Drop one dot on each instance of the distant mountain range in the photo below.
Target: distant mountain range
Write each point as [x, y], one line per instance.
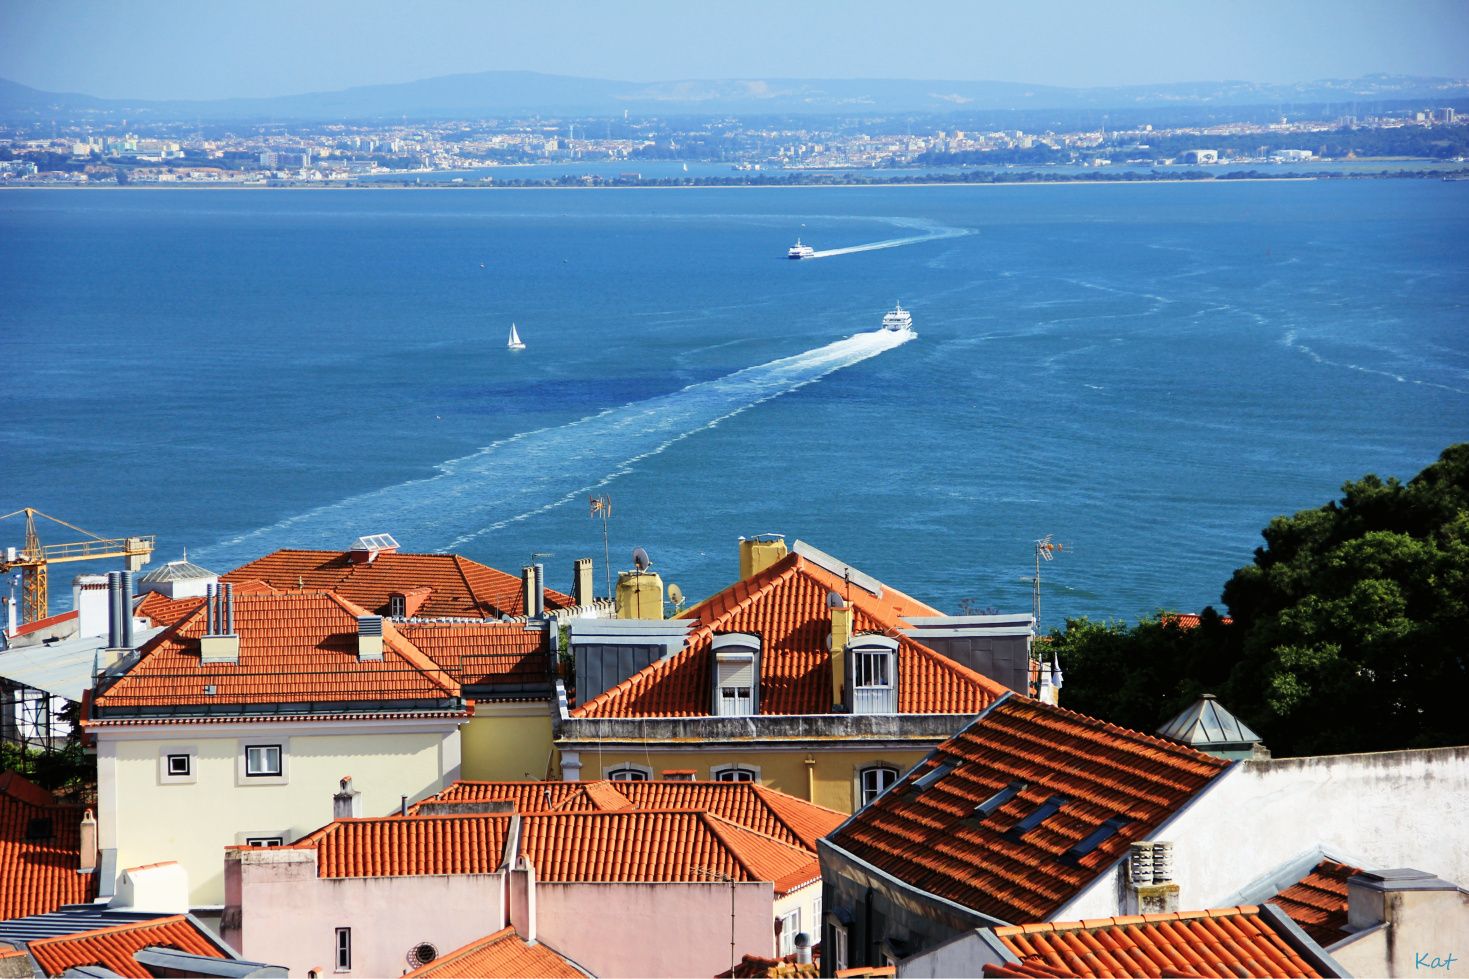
[499, 93]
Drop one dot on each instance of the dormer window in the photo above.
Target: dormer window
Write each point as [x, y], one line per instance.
[873, 674]
[736, 675]
[397, 607]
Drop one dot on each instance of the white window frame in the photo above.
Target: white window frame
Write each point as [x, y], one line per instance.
[262, 754]
[861, 797]
[242, 761]
[265, 841]
[869, 664]
[620, 773]
[839, 951]
[717, 773]
[790, 925]
[342, 951]
[397, 606]
[166, 776]
[735, 700]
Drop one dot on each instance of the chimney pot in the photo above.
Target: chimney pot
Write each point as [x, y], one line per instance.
[88, 858]
[220, 643]
[803, 948]
[347, 803]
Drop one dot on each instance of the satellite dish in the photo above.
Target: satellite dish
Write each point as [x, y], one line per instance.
[675, 594]
[640, 559]
[834, 600]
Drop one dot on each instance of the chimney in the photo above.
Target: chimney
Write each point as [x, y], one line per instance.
[803, 948]
[841, 635]
[760, 552]
[639, 595]
[127, 609]
[220, 643]
[347, 803]
[115, 607]
[523, 899]
[369, 638]
[1150, 887]
[581, 587]
[89, 595]
[540, 589]
[88, 861]
[533, 589]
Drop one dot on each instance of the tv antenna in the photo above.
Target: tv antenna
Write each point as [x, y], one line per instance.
[603, 505]
[1045, 550]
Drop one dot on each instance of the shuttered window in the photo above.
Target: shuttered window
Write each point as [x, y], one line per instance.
[734, 684]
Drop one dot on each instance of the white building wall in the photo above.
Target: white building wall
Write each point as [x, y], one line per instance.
[1386, 809]
[149, 817]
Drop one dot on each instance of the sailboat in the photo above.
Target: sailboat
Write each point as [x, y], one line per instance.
[515, 342]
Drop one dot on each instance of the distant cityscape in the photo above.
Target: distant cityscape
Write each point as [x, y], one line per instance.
[341, 153]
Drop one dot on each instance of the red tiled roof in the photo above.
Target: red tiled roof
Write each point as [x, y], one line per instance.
[295, 647]
[503, 955]
[27, 628]
[38, 876]
[764, 967]
[1189, 620]
[114, 947]
[757, 807]
[1221, 944]
[458, 586]
[924, 836]
[786, 605]
[165, 611]
[1318, 901]
[482, 653]
[578, 846]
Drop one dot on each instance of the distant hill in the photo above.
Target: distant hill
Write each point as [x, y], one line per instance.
[498, 93]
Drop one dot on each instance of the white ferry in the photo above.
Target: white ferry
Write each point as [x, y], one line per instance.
[899, 320]
[799, 250]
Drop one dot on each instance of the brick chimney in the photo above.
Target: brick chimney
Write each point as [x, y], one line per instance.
[581, 583]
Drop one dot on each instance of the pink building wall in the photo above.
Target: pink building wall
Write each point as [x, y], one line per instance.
[656, 930]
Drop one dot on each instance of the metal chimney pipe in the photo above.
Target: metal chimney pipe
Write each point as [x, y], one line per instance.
[229, 609]
[114, 609]
[126, 601]
[210, 592]
[540, 589]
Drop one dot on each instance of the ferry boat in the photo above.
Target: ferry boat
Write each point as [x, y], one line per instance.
[799, 250]
[515, 343]
[898, 320]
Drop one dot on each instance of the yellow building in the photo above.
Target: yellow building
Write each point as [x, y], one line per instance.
[807, 676]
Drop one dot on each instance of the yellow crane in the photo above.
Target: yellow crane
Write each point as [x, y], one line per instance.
[34, 557]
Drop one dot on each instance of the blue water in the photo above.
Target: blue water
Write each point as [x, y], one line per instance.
[1147, 372]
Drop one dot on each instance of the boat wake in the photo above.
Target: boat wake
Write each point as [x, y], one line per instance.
[534, 472]
[931, 233]
[1290, 341]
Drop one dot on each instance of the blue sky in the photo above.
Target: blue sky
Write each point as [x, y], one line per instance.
[206, 49]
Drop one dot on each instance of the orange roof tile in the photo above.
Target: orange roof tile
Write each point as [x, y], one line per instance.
[1188, 620]
[114, 947]
[786, 605]
[165, 611]
[577, 846]
[929, 837]
[40, 850]
[764, 967]
[295, 648]
[1318, 901]
[483, 653]
[503, 955]
[458, 586]
[1220, 944]
[757, 807]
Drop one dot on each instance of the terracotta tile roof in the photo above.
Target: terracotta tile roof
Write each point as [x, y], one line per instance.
[40, 850]
[1025, 970]
[40, 625]
[1318, 901]
[764, 967]
[503, 955]
[295, 647]
[114, 947]
[165, 611]
[930, 838]
[757, 807]
[1226, 943]
[483, 653]
[576, 846]
[1188, 620]
[459, 587]
[786, 605]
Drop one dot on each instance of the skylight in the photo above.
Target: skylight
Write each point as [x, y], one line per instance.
[933, 776]
[374, 542]
[1037, 816]
[998, 799]
[1095, 838]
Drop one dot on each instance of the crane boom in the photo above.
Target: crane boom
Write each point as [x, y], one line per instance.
[34, 558]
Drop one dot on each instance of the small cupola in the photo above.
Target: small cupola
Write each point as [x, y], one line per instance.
[1208, 727]
[178, 579]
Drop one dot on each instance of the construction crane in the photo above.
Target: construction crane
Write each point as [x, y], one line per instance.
[34, 557]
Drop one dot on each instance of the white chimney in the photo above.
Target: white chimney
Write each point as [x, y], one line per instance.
[88, 857]
[347, 803]
[89, 598]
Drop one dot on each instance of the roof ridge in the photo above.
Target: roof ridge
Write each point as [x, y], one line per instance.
[414, 656]
[1096, 723]
[741, 827]
[1123, 921]
[762, 793]
[708, 820]
[121, 926]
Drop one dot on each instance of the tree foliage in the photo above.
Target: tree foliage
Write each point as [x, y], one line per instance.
[1350, 628]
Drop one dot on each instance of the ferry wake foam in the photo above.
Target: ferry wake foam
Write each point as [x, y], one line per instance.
[534, 472]
[931, 233]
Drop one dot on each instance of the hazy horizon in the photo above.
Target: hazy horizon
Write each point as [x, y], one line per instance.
[167, 50]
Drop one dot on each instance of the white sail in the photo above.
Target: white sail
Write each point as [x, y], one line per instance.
[515, 341]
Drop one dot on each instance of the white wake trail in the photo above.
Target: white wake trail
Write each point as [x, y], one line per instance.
[932, 234]
[534, 472]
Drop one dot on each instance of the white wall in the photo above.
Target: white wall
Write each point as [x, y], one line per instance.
[1386, 809]
[149, 818]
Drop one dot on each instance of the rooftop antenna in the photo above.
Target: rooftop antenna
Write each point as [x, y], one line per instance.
[1045, 550]
[603, 505]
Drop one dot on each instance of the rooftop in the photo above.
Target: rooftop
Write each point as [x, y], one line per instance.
[506, 655]
[112, 940]
[1024, 808]
[458, 587]
[297, 651]
[503, 955]
[786, 606]
[749, 804]
[1318, 901]
[177, 571]
[40, 851]
[1206, 722]
[1232, 943]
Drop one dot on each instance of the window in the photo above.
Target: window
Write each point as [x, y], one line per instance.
[790, 923]
[263, 759]
[874, 688]
[628, 773]
[875, 781]
[1037, 816]
[734, 773]
[839, 949]
[735, 702]
[344, 949]
[178, 764]
[397, 606]
[997, 800]
[736, 675]
[264, 841]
